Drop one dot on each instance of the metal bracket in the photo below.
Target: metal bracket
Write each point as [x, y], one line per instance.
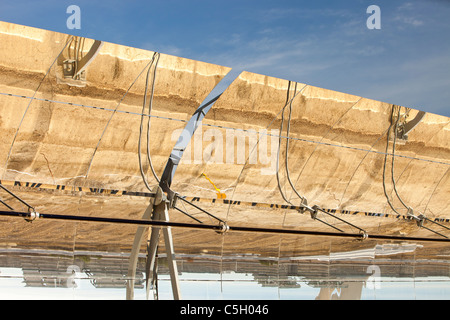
[69, 70]
[76, 70]
[304, 206]
[33, 215]
[406, 127]
[419, 219]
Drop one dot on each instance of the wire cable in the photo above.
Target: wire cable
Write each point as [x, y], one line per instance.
[141, 125]
[385, 162]
[393, 158]
[314, 210]
[150, 107]
[253, 149]
[279, 146]
[287, 149]
[421, 217]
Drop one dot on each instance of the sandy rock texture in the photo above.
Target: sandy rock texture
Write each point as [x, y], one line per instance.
[86, 133]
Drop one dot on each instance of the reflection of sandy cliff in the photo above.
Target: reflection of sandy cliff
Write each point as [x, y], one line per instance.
[70, 136]
[56, 140]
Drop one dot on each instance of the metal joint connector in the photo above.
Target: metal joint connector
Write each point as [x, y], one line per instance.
[364, 235]
[304, 206]
[224, 228]
[314, 210]
[173, 200]
[32, 215]
[419, 219]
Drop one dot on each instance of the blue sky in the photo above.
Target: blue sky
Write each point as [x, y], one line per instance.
[321, 43]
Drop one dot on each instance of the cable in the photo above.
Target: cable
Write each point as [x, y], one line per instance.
[287, 149]
[288, 102]
[251, 151]
[150, 107]
[279, 146]
[314, 210]
[141, 125]
[419, 219]
[393, 158]
[385, 161]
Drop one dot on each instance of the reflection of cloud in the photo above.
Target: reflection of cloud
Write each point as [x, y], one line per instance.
[166, 49]
[378, 250]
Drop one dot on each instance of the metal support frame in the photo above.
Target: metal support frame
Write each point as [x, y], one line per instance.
[421, 218]
[158, 209]
[161, 213]
[314, 210]
[74, 69]
[406, 127]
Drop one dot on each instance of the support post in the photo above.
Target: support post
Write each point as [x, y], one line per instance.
[161, 213]
[158, 210]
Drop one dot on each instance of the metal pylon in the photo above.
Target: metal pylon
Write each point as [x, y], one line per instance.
[157, 210]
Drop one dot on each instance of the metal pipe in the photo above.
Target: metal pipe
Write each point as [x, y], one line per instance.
[217, 228]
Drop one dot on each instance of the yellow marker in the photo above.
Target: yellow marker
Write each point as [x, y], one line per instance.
[220, 195]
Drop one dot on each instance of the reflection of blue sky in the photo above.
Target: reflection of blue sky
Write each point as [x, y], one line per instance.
[322, 43]
[228, 286]
[389, 271]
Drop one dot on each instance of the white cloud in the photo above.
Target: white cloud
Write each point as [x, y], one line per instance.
[166, 49]
[409, 20]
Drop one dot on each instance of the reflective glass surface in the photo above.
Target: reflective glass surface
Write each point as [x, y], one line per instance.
[212, 266]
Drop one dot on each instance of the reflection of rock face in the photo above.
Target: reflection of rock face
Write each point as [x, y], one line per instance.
[56, 141]
[335, 156]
